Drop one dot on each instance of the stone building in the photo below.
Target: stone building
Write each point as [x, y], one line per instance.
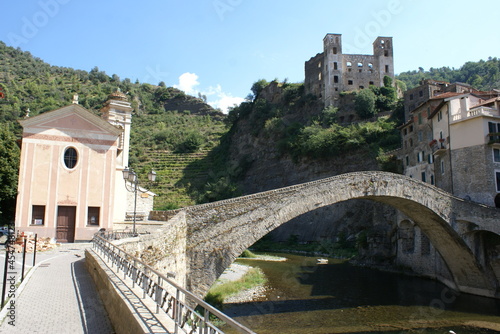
[331, 72]
[429, 88]
[467, 147]
[450, 140]
[70, 175]
[447, 131]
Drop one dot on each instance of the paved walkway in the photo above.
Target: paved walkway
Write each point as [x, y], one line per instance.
[57, 295]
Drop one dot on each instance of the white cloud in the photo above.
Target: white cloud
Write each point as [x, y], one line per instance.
[187, 82]
[225, 102]
[216, 97]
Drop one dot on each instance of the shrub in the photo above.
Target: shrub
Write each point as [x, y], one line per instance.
[248, 254]
[191, 142]
[364, 103]
[258, 86]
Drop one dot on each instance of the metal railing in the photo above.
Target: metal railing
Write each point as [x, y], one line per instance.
[190, 313]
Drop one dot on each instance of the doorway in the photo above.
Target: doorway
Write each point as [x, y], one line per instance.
[66, 219]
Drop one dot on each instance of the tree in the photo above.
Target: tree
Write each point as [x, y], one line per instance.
[258, 86]
[9, 167]
[364, 103]
[388, 95]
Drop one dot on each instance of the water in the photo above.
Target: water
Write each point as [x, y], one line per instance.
[304, 297]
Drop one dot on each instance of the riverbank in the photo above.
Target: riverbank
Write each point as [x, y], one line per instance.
[241, 283]
[305, 297]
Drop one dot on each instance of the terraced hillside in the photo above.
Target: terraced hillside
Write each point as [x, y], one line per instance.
[171, 168]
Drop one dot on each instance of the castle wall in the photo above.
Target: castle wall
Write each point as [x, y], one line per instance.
[332, 72]
[314, 75]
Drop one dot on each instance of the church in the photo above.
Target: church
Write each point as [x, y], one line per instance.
[71, 182]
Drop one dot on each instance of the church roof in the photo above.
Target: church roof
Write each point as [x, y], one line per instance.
[118, 95]
[72, 109]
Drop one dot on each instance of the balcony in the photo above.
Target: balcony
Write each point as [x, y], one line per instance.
[493, 137]
[474, 112]
[438, 146]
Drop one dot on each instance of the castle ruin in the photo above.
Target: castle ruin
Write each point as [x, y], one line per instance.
[331, 72]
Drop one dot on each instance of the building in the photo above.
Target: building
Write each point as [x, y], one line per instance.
[429, 88]
[331, 72]
[451, 139]
[448, 140]
[467, 147]
[70, 176]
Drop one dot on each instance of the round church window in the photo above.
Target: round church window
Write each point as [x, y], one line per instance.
[70, 157]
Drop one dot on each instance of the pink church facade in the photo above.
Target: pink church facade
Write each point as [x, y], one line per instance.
[70, 183]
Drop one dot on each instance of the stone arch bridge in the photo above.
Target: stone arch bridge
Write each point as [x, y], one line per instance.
[211, 236]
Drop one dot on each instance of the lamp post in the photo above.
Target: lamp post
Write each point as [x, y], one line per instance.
[130, 176]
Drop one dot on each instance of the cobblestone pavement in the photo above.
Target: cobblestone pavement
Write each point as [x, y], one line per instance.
[57, 296]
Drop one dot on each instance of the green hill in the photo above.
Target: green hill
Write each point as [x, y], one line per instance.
[184, 139]
[165, 119]
[482, 75]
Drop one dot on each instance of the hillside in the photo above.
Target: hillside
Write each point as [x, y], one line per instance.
[164, 119]
[482, 75]
[281, 137]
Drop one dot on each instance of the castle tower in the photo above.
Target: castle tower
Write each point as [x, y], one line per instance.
[118, 111]
[332, 67]
[331, 72]
[382, 50]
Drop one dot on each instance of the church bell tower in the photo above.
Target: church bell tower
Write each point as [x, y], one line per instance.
[118, 111]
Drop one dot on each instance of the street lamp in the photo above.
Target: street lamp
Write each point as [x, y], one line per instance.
[130, 176]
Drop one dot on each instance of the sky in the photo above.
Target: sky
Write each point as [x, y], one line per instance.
[219, 48]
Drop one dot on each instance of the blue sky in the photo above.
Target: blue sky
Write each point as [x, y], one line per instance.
[221, 47]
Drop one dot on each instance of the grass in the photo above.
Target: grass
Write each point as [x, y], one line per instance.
[248, 254]
[218, 293]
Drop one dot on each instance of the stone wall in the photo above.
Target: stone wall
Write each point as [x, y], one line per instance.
[218, 232]
[164, 249]
[473, 172]
[331, 72]
[416, 253]
[442, 168]
[144, 202]
[314, 78]
[122, 314]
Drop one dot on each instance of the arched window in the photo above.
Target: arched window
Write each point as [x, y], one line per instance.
[70, 157]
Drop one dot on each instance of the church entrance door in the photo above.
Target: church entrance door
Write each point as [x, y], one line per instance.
[66, 219]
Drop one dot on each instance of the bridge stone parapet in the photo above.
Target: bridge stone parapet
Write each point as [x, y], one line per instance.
[217, 233]
[163, 215]
[163, 249]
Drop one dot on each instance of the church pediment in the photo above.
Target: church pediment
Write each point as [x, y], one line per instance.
[71, 118]
[70, 122]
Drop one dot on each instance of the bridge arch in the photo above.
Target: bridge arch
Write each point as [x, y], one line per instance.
[219, 232]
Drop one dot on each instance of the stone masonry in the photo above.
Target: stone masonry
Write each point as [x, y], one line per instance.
[217, 233]
[331, 72]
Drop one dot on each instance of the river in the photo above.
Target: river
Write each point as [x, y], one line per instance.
[304, 297]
